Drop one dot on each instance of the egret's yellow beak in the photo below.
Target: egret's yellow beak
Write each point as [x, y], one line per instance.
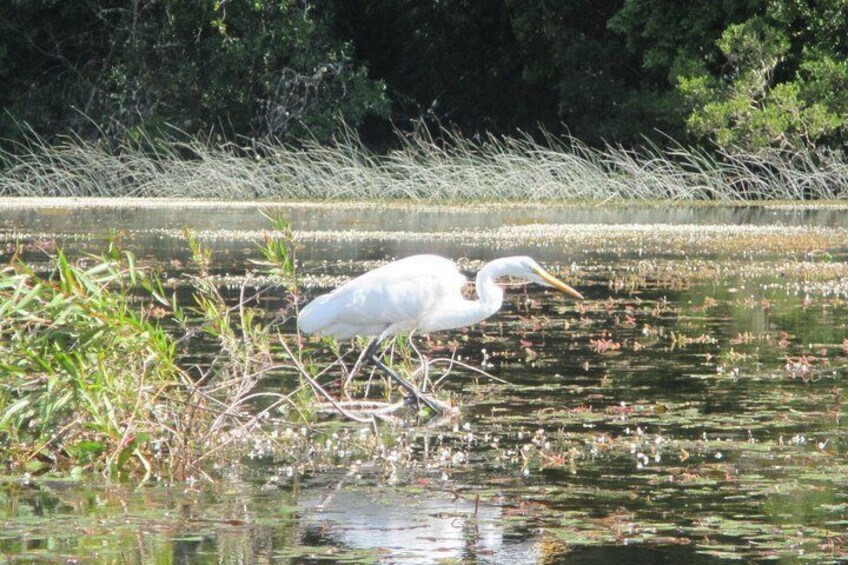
[556, 283]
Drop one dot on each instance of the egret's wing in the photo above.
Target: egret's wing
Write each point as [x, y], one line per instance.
[380, 300]
[398, 293]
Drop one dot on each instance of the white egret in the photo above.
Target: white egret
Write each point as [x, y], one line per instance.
[422, 292]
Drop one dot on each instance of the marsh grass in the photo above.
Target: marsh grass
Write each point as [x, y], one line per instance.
[95, 377]
[424, 167]
[85, 370]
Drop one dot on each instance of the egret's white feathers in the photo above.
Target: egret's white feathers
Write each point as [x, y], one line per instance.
[421, 292]
[405, 290]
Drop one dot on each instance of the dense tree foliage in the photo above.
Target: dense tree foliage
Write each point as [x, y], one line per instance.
[260, 68]
[749, 73]
[785, 80]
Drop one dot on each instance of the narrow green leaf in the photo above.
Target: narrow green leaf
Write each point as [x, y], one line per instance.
[14, 409]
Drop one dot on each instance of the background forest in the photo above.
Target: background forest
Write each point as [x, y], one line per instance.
[735, 73]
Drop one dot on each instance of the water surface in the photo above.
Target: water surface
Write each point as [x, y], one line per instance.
[689, 410]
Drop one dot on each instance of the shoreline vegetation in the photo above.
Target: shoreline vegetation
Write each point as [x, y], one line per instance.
[110, 369]
[451, 168]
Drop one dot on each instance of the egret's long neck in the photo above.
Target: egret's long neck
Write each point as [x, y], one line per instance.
[467, 312]
[490, 296]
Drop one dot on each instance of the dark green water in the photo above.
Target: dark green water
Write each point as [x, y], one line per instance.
[689, 410]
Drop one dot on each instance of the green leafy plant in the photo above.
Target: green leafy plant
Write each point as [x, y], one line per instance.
[771, 93]
[94, 376]
[86, 366]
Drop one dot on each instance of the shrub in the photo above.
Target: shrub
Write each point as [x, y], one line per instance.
[92, 376]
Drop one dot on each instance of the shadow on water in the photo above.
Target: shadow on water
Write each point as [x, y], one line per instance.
[690, 410]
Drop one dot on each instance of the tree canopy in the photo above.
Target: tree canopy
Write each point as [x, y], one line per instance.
[747, 73]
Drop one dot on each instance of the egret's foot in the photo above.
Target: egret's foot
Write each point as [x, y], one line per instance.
[422, 400]
[434, 404]
[412, 400]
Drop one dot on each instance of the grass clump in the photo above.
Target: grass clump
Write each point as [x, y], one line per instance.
[86, 369]
[93, 377]
[448, 168]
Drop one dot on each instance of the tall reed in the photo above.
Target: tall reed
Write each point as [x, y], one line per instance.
[94, 376]
[423, 167]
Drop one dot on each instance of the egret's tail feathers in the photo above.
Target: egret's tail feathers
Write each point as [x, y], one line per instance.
[313, 318]
[321, 317]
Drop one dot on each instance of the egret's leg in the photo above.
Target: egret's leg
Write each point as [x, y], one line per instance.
[371, 353]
